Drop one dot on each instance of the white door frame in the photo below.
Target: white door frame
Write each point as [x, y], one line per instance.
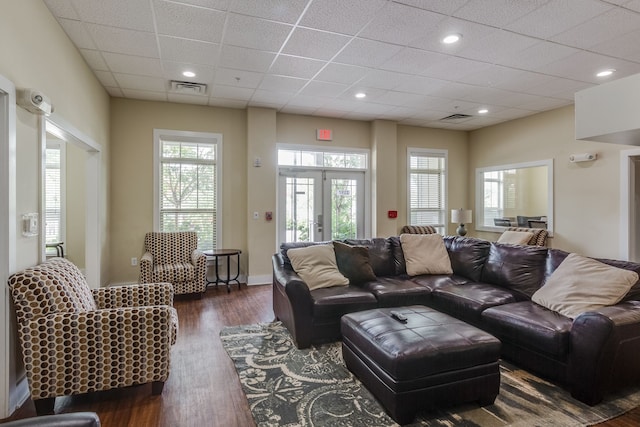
[326, 203]
[8, 227]
[627, 206]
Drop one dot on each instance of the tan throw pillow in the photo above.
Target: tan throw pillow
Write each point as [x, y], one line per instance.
[317, 266]
[515, 237]
[581, 284]
[425, 254]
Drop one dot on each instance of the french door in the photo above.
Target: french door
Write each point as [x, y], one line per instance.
[320, 205]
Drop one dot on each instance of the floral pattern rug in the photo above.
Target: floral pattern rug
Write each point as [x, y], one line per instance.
[289, 387]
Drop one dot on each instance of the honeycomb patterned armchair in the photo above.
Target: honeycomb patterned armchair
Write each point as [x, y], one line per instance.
[173, 257]
[418, 229]
[77, 340]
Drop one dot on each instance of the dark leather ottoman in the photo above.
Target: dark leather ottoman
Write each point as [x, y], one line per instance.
[432, 360]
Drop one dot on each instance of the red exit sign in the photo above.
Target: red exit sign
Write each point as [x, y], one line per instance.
[324, 134]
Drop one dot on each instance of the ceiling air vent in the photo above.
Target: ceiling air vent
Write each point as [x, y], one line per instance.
[188, 88]
[456, 117]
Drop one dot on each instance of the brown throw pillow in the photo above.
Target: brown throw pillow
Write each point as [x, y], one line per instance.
[353, 263]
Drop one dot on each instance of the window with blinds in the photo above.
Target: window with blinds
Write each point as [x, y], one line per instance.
[427, 188]
[54, 193]
[188, 187]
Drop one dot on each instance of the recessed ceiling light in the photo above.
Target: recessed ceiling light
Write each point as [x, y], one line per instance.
[189, 74]
[606, 73]
[361, 95]
[483, 111]
[451, 38]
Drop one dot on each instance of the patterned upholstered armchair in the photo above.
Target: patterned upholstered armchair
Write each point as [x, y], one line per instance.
[77, 340]
[539, 237]
[173, 257]
[418, 229]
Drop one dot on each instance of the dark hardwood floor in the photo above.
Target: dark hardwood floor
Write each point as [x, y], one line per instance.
[203, 389]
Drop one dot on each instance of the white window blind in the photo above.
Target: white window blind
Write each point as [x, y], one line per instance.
[188, 188]
[54, 207]
[427, 188]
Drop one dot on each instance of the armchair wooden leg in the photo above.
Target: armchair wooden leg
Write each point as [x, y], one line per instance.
[45, 406]
[156, 387]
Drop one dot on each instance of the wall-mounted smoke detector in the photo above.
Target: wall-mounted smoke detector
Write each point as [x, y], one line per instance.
[188, 88]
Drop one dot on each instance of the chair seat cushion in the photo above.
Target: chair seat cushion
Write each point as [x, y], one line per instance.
[179, 272]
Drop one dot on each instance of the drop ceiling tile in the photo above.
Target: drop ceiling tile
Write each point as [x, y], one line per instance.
[420, 85]
[496, 46]
[384, 27]
[536, 57]
[523, 82]
[114, 91]
[341, 73]
[271, 97]
[131, 14]
[633, 5]
[366, 53]
[556, 17]
[445, 7]
[400, 99]
[453, 91]
[281, 84]
[583, 66]
[130, 81]
[310, 102]
[196, 23]
[321, 89]
[399, 113]
[189, 51]
[62, 9]
[209, 4]
[372, 94]
[144, 95]
[128, 64]
[227, 103]
[120, 40]
[314, 44]
[490, 75]
[246, 59]
[544, 103]
[412, 61]
[431, 40]
[339, 16]
[173, 71]
[255, 33]
[276, 10]
[382, 79]
[238, 78]
[607, 26]
[106, 78]
[294, 66]
[454, 69]
[78, 33]
[372, 108]
[559, 88]
[187, 99]
[497, 13]
[94, 59]
[230, 92]
[626, 46]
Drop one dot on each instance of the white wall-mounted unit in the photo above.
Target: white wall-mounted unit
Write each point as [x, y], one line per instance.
[610, 112]
[34, 101]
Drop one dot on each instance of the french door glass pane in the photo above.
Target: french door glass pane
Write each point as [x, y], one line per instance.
[344, 212]
[299, 209]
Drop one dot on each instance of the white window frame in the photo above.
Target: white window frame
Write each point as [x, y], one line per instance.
[187, 136]
[414, 151]
[62, 146]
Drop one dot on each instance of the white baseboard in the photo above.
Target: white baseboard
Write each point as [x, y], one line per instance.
[19, 396]
[263, 279]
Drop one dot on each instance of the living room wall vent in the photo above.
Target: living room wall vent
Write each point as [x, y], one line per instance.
[456, 117]
[188, 88]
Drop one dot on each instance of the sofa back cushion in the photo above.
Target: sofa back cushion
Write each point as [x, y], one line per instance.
[521, 268]
[55, 286]
[171, 247]
[380, 254]
[468, 256]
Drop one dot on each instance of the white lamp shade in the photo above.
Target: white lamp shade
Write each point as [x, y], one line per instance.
[461, 216]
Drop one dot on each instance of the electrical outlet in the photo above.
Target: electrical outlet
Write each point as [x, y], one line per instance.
[134, 261]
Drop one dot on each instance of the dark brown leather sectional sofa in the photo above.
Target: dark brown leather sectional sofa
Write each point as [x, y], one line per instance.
[491, 288]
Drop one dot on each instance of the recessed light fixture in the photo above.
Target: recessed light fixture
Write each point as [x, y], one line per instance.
[483, 111]
[361, 95]
[606, 73]
[451, 38]
[189, 74]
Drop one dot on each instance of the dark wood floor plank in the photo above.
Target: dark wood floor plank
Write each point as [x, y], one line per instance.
[203, 387]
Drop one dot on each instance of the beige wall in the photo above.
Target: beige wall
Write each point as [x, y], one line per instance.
[132, 125]
[36, 53]
[586, 195]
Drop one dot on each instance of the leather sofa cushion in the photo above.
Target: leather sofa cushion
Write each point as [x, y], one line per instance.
[467, 255]
[521, 268]
[429, 342]
[399, 264]
[336, 301]
[468, 301]
[380, 254]
[434, 281]
[531, 326]
[398, 291]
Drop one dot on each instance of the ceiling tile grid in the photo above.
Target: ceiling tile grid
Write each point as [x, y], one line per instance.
[515, 58]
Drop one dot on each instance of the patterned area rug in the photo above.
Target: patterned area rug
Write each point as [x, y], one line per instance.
[312, 387]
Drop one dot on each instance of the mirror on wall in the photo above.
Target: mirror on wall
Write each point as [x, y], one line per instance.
[515, 195]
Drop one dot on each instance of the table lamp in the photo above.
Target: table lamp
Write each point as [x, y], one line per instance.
[461, 217]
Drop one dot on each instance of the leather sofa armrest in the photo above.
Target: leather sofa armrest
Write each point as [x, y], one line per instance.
[604, 347]
[77, 419]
